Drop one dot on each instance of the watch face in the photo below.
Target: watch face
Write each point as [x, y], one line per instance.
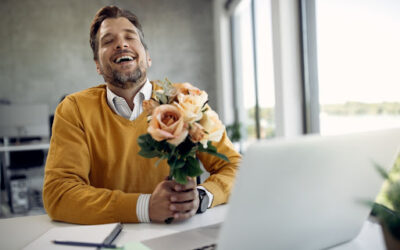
[204, 204]
[204, 200]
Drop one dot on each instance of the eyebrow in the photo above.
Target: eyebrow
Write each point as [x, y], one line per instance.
[131, 31]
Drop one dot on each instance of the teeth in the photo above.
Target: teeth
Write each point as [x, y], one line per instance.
[119, 59]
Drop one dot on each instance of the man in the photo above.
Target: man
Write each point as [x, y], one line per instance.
[93, 171]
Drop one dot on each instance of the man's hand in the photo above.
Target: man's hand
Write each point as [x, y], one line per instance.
[171, 199]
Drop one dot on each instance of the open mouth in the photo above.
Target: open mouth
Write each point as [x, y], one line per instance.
[123, 59]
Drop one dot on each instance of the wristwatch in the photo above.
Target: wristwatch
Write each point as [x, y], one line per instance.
[203, 201]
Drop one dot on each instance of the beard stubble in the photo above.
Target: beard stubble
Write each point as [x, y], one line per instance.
[125, 80]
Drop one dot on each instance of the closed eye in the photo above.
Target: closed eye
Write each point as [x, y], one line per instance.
[105, 42]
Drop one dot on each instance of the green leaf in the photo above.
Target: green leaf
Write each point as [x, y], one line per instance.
[168, 91]
[193, 167]
[222, 156]
[149, 154]
[151, 148]
[169, 88]
[162, 146]
[160, 159]
[162, 97]
[180, 175]
[180, 163]
[388, 217]
[144, 140]
[381, 171]
[174, 162]
[213, 151]
[147, 143]
[393, 195]
[211, 147]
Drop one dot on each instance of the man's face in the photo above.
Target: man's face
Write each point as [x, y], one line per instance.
[122, 58]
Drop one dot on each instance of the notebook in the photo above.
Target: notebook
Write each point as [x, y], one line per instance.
[92, 233]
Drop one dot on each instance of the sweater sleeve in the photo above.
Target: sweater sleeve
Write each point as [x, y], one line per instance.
[222, 173]
[67, 193]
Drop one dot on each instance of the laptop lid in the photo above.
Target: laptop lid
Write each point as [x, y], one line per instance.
[305, 193]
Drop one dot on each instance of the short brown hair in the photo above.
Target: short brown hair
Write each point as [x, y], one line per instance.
[111, 12]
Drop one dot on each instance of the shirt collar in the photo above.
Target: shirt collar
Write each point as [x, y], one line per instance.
[146, 91]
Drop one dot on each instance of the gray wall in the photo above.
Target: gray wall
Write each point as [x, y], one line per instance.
[45, 50]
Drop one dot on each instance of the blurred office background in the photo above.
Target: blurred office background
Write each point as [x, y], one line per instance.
[272, 68]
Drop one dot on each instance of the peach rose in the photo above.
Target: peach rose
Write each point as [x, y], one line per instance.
[186, 89]
[149, 106]
[167, 123]
[196, 132]
[212, 125]
[191, 106]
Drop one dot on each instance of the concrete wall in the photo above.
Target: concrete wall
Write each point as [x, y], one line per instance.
[45, 52]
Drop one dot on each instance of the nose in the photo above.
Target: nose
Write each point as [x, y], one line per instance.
[121, 43]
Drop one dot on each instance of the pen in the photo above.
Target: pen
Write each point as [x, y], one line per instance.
[84, 244]
[110, 238]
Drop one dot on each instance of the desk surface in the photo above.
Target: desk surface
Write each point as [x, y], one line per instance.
[16, 233]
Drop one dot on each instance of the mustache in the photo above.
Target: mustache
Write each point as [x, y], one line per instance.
[124, 51]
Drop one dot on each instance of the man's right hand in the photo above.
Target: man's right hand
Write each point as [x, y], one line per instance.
[170, 199]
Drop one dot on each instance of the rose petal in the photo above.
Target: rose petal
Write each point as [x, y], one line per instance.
[178, 139]
[168, 124]
[159, 134]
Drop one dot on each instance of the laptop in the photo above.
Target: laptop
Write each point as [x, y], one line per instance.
[306, 192]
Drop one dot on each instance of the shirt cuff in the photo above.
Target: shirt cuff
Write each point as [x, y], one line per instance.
[142, 208]
[210, 195]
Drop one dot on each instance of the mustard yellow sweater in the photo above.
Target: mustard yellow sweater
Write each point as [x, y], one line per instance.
[93, 171]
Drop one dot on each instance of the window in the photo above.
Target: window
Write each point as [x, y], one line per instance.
[265, 69]
[253, 69]
[358, 57]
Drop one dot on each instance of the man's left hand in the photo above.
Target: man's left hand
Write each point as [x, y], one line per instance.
[184, 200]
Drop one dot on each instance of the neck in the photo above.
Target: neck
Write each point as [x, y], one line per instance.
[129, 93]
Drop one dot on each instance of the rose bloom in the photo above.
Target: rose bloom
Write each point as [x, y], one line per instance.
[213, 127]
[167, 123]
[149, 106]
[196, 132]
[186, 89]
[191, 106]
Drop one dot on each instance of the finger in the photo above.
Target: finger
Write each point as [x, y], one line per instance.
[169, 185]
[163, 216]
[182, 207]
[190, 185]
[183, 196]
[184, 215]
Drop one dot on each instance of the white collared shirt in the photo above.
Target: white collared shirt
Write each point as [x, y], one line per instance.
[121, 108]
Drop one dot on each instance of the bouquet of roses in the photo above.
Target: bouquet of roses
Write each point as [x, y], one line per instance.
[181, 123]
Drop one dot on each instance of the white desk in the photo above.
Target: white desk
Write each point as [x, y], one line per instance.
[16, 233]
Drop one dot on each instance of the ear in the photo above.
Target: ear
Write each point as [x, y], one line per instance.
[148, 59]
[97, 66]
